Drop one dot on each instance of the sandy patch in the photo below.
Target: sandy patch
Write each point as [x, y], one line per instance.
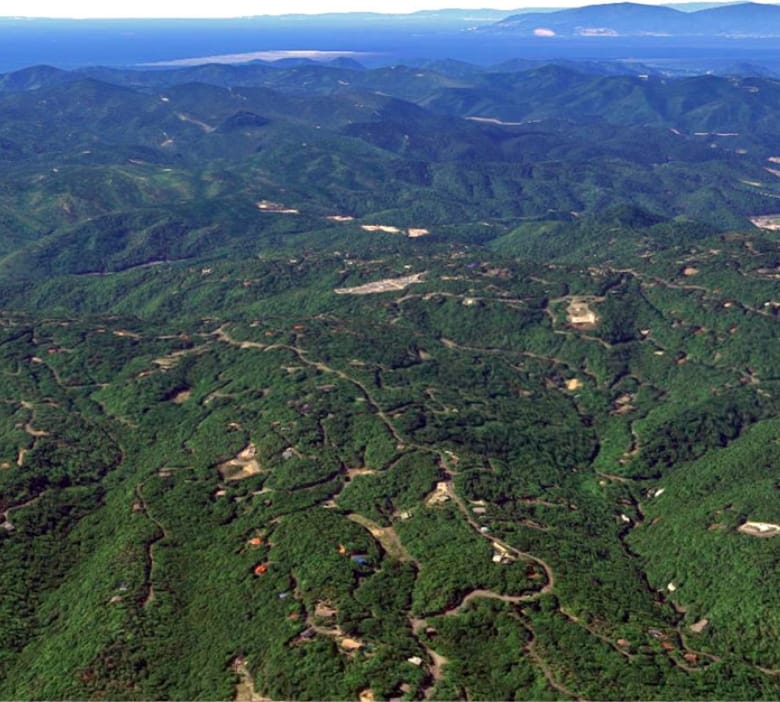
[349, 644]
[439, 494]
[275, 207]
[245, 687]
[385, 285]
[690, 271]
[181, 397]
[244, 465]
[770, 222]
[380, 228]
[324, 610]
[411, 232]
[123, 333]
[699, 626]
[579, 315]
[573, 384]
[763, 529]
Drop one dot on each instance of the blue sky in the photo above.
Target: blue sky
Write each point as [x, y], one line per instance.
[239, 8]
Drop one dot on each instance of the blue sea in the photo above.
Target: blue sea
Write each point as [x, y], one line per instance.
[383, 40]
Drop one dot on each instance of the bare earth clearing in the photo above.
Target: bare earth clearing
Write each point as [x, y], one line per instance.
[245, 687]
[579, 315]
[762, 529]
[769, 222]
[385, 285]
[244, 465]
[412, 232]
[275, 207]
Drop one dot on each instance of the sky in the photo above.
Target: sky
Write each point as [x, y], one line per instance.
[243, 8]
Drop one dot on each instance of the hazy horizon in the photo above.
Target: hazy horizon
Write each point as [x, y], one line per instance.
[183, 9]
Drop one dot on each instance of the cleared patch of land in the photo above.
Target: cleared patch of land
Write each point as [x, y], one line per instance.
[762, 529]
[192, 120]
[411, 232]
[770, 222]
[244, 465]
[386, 536]
[245, 687]
[181, 397]
[580, 315]
[384, 285]
[275, 207]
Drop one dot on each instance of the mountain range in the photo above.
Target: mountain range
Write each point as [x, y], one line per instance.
[627, 19]
[424, 380]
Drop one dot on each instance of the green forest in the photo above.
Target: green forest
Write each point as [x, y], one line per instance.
[328, 394]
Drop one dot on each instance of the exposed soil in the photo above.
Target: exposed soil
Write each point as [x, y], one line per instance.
[380, 286]
[580, 316]
[181, 397]
[244, 465]
[275, 207]
[245, 687]
[386, 536]
[760, 529]
[771, 222]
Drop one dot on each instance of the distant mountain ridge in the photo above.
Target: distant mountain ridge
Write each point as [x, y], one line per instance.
[634, 19]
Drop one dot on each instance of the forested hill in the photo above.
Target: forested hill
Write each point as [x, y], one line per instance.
[422, 382]
[130, 165]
